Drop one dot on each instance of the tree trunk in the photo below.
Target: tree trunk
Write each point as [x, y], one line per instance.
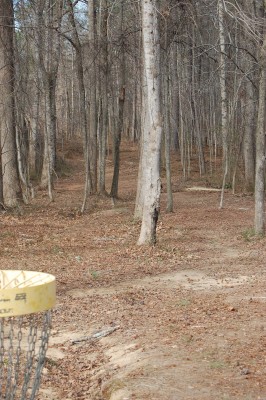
[1, 184]
[34, 134]
[152, 131]
[84, 123]
[49, 48]
[260, 148]
[121, 110]
[167, 144]
[49, 161]
[249, 140]
[195, 110]
[92, 96]
[144, 125]
[224, 114]
[166, 90]
[103, 90]
[175, 101]
[10, 177]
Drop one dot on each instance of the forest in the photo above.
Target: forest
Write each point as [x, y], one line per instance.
[133, 171]
[95, 71]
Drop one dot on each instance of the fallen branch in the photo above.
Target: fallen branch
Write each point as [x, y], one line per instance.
[96, 335]
[203, 189]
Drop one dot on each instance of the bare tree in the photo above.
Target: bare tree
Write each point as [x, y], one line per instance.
[92, 93]
[49, 45]
[260, 146]
[103, 81]
[252, 20]
[75, 41]
[152, 129]
[224, 113]
[12, 194]
[121, 109]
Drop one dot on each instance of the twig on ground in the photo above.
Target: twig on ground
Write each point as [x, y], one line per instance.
[96, 335]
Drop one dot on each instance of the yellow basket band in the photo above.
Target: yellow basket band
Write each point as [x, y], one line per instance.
[26, 292]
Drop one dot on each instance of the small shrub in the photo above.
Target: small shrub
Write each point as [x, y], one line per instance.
[95, 274]
[216, 364]
[183, 303]
[248, 234]
[63, 169]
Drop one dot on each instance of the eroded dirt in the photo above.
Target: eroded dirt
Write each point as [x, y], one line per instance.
[188, 315]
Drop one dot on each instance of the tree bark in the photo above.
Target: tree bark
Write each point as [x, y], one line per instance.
[92, 96]
[75, 41]
[167, 144]
[103, 90]
[12, 193]
[152, 132]
[121, 111]
[260, 148]
[34, 134]
[165, 66]
[224, 114]
[49, 15]
[249, 139]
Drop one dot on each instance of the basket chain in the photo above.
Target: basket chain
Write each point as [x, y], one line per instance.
[10, 360]
[42, 352]
[20, 375]
[18, 354]
[2, 353]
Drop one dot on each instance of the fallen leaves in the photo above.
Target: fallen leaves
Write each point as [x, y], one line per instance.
[212, 340]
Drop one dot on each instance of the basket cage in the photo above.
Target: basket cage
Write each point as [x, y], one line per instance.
[26, 300]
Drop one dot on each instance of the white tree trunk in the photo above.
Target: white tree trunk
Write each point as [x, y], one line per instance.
[222, 75]
[152, 129]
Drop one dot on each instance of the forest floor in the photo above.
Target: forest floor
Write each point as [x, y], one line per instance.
[182, 320]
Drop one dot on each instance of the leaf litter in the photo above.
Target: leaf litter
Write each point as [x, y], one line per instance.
[190, 311]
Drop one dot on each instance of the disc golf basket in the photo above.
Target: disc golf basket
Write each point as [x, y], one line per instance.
[26, 300]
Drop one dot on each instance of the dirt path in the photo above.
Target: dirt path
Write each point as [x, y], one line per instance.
[184, 320]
